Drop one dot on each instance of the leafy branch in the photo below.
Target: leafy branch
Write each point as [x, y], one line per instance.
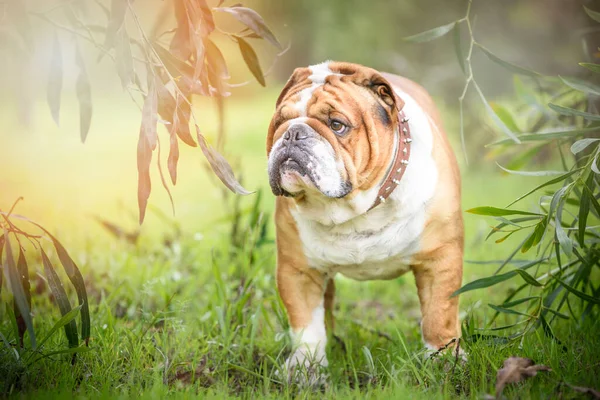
[564, 228]
[166, 73]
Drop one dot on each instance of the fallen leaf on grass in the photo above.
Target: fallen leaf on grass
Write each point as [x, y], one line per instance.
[516, 369]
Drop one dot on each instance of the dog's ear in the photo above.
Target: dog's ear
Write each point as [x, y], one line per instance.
[384, 90]
[298, 75]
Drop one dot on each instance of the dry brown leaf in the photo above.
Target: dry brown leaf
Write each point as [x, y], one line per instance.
[516, 369]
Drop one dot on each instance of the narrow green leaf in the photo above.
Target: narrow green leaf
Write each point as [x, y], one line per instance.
[531, 173]
[535, 237]
[514, 222]
[505, 116]
[581, 145]
[519, 301]
[509, 66]
[558, 314]
[64, 320]
[528, 278]
[77, 280]
[592, 14]
[563, 239]
[497, 212]
[494, 279]
[578, 293]
[23, 271]
[71, 350]
[251, 60]
[584, 210]
[571, 112]
[507, 310]
[431, 34]
[535, 137]
[591, 66]
[9, 348]
[595, 165]
[61, 298]
[15, 283]
[581, 85]
[550, 182]
[495, 117]
[458, 48]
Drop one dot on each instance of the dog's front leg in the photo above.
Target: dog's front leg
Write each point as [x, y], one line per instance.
[303, 292]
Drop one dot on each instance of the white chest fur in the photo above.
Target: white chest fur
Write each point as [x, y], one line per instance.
[339, 237]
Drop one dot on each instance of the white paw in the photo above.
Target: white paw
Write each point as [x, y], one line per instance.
[307, 367]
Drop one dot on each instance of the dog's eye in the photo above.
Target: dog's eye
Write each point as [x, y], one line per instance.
[337, 127]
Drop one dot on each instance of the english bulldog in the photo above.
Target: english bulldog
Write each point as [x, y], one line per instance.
[368, 187]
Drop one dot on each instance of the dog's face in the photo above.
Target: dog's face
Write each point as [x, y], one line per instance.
[332, 134]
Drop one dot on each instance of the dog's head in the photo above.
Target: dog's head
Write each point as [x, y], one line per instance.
[332, 134]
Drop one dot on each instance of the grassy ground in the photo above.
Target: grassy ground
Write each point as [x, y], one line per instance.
[192, 308]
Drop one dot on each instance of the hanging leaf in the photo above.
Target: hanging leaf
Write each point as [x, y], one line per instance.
[177, 113]
[150, 114]
[61, 298]
[254, 21]
[458, 48]
[595, 165]
[592, 14]
[173, 156]
[571, 112]
[495, 279]
[509, 66]
[581, 85]
[20, 297]
[84, 96]
[181, 44]
[23, 271]
[144, 158]
[531, 173]
[431, 34]
[118, 10]
[162, 178]
[217, 68]
[550, 182]
[496, 212]
[220, 166]
[581, 145]
[591, 67]
[535, 237]
[536, 137]
[124, 58]
[251, 60]
[181, 71]
[55, 80]
[578, 293]
[495, 117]
[584, 210]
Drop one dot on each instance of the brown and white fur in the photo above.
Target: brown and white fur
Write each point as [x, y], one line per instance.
[327, 182]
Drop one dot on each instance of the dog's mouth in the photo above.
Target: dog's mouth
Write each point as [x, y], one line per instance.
[289, 175]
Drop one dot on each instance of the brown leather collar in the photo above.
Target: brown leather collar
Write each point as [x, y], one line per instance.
[400, 161]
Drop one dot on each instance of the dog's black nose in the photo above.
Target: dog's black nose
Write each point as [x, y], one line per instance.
[296, 132]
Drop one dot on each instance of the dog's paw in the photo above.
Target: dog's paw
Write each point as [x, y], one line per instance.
[306, 368]
[452, 348]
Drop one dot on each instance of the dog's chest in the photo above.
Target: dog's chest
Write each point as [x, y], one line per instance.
[367, 249]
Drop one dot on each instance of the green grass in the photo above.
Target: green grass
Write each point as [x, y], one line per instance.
[197, 314]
